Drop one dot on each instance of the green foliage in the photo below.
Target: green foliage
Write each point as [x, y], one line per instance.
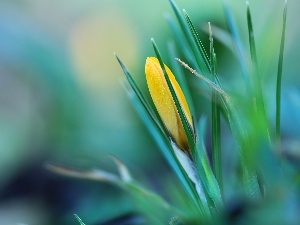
[202, 173]
[247, 120]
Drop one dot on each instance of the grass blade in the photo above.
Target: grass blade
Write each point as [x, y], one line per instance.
[215, 119]
[237, 43]
[259, 105]
[239, 132]
[242, 137]
[200, 58]
[79, 220]
[129, 185]
[209, 180]
[180, 39]
[279, 78]
[251, 38]
[181, 76]
[140, 95]
[216, 87]
[198, 42]
[222, 36]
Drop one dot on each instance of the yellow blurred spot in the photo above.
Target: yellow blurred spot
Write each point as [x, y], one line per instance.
[93, 41]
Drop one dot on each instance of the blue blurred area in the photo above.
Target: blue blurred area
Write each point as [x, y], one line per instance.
[62, 100]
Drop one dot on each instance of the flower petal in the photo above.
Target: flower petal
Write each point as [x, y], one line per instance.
[164, 102]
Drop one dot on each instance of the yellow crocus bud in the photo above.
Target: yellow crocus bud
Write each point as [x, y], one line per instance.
[164, 103]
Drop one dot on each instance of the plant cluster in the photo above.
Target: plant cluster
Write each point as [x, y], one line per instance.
[267, 191]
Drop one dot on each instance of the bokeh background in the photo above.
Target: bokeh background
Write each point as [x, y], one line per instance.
[62, 99]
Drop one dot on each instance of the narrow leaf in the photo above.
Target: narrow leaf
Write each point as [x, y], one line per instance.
[237, 43]
[104, 176]
[279, 78]
[207, 176]
[222, 36]
[215, 119]
[79, 220]
[216, 87]
[141, 98]
[198, 42]
[190, 38]
[123, 170]
[177, 69]
[251, 37]
[238, 129]
[259, 105]
[97, 175]
[180, 39]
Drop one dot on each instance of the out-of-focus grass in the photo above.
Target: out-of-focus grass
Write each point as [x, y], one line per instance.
[61, 99]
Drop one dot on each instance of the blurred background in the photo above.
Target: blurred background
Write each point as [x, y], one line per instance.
[62, 99]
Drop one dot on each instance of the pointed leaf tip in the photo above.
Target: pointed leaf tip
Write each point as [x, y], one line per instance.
[79, 220]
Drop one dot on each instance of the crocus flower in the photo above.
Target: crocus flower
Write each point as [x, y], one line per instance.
[164, 103]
